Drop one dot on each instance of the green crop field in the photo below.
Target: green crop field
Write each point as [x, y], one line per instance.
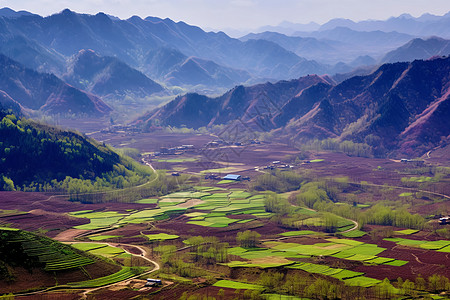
[353, 234]
[433, 245]
[88, 246]
[298, 233]
[123, 274]
[99, 223]
[316, 160]
[54, 255]
[103, 237]
[237, 285]
[406, 231]
[108, 251]
[147, 201]
[161, 236]
[362, 281]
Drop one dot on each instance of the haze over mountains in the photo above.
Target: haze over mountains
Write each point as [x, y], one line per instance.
[79, 64]
[166, 51]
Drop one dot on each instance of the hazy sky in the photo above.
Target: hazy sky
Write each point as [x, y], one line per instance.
[239, 14]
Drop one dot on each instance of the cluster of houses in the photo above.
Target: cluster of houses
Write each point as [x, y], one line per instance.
[126, 129]
[179, 150]
[218, 143]
[276, 165]
[412, 161]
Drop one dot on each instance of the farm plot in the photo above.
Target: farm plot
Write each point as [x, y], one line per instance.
[103, 237]
[53, 255]
[124, 273]
[267, 258]
[349, 277]
[298, 233]
[99, 249]
[161, 237]
[220, 205]
[433, 245]
[98, 220]
[339, 248]
[237, 285]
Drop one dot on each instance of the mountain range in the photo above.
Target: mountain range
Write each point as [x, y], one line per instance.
[26, 88]
[399, 108]
[105, 75]
[165, 51]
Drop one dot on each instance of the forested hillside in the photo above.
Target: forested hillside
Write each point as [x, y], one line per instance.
[40, 157]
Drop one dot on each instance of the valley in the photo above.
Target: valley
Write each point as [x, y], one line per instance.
[148, 158]
[213, 212]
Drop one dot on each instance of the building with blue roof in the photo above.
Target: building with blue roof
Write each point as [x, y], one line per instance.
[232, 177]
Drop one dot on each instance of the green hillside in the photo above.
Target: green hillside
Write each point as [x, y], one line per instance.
[37, 157]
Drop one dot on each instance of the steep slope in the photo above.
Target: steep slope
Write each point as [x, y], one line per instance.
[9, 104]
[108, 76]
[256, 104]
[34, 154]
[399, 108]
[419, 49]
[45, 92]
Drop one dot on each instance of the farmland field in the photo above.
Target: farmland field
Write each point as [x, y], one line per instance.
[191, 231]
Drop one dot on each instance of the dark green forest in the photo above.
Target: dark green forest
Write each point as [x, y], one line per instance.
[37, 157]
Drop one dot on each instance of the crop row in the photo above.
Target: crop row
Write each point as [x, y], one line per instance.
[124, 273]
[68, 264]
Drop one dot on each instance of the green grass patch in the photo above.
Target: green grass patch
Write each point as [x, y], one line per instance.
[353, 234]
[161, 236]
[226, 181]
[88, 246]
[347, 274]
[103, 237]
[445, 249]
[406, 194]
[249, 264]
[237, 285]
[316, 160]
[99, 223]
[298, 233]
[147, 201]
[379, 260]
[8, 229]
[396, 263]
[107, 251]
[406, 231]
[362, 281]
[124, 273]
[345, 241]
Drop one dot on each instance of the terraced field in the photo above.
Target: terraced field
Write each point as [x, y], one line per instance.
[124, 273]
[441, 246]
[54, 256]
